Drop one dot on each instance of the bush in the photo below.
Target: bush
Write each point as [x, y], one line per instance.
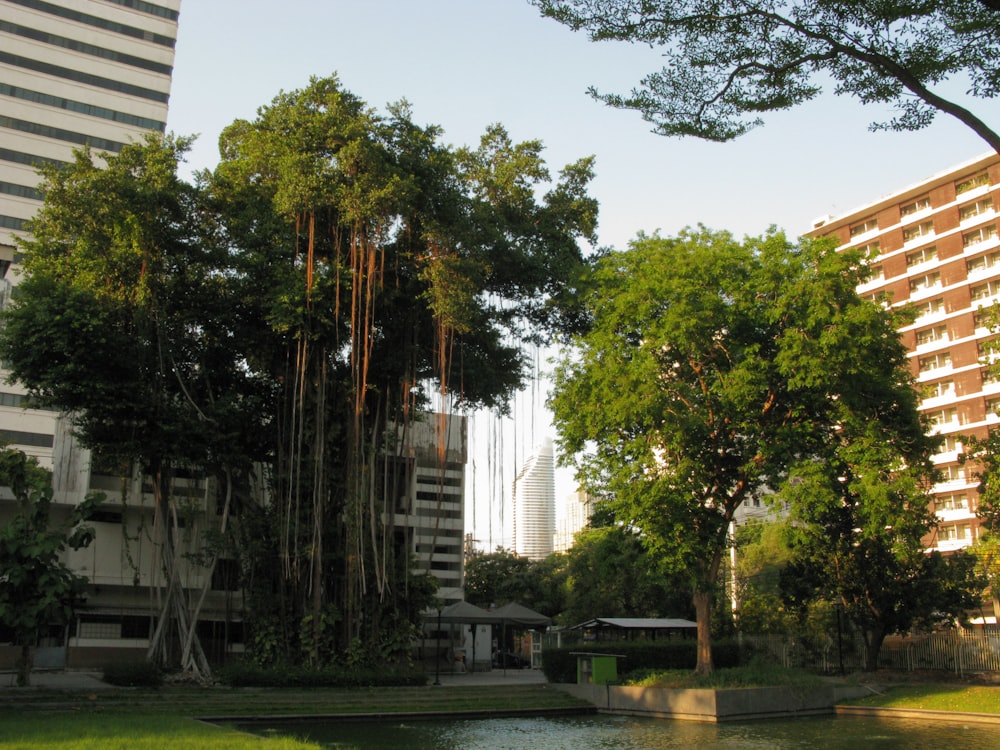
[132, 674]
[559, 664]
[246, 674]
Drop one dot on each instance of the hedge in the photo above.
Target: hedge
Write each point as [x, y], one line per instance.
[246, 674]
[559, 664]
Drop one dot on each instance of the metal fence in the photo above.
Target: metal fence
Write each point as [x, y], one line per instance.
[958, 651]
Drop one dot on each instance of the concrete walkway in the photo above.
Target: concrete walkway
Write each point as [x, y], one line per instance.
[68, 680]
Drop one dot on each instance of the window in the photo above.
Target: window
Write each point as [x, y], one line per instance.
[941, 388]
[930, 335]
[950, 444]
[925, 282]
[984, 291]
[864, 227]
[983, 318]
[875, 273]
[983, 262]
[954, 501]
[923, 255]
[953, 473]
[930, 307]
[982, 234]
[871, 250]
[971, 183]
[992, 405]
[934, 361]
[977, 208]
[923, 229]
[920, 204]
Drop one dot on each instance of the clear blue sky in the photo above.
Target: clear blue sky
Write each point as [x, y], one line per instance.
[464, 64]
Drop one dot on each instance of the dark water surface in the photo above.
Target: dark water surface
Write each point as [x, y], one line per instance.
[602, 732]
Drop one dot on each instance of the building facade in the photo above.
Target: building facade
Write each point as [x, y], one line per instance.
[73, 73]
[535, 504]
[934, 246]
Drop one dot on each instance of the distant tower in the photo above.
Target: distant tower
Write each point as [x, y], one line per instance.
[535, 504]
[576, 511]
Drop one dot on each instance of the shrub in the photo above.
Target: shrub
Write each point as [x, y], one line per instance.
[246, 674]
[132, 674]
[559, 664]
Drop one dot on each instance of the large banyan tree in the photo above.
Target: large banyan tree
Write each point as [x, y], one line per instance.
[386, 265]
[300, 307]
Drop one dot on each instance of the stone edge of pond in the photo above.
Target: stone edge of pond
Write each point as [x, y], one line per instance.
[920, 714]
[714, 705]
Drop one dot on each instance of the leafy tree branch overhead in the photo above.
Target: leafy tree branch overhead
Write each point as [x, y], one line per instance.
[728, 61]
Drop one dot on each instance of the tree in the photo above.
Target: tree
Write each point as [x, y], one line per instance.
[762, 554]
[389, 269]
[495, 578]
[126, 319]
[611, 574]
[38, 589]
[859, 513]
[727, 61]
[709, 366]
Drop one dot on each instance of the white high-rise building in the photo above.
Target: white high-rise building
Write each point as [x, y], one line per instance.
[535, 504]
[73, 73]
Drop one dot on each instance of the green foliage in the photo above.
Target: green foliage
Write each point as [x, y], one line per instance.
[728, 61]
[294, 308]
[860, 513]
[711, 366]
[246, 674]
[612, 574]
[132, 674]
[38, 588]
[757, 673]
[560, 664]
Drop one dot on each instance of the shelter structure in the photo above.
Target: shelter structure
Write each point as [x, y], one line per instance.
[633, 628]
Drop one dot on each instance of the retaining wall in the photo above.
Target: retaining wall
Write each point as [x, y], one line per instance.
[735, 704]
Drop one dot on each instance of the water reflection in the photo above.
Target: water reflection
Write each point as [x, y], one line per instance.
[634, 733]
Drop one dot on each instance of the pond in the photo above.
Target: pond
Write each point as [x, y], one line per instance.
[602, 732]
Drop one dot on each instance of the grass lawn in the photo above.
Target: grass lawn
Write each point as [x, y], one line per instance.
[984, 699]
[128, 731]
[162, 719]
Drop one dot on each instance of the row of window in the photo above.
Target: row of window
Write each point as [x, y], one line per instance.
[929, 254]
[78, 76]
[96, 22]
[58, 102]
[59, 134]
[923, 203]
[75, 45]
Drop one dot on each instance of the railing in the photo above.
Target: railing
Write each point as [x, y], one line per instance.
[959, 651]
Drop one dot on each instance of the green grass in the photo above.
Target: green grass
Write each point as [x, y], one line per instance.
[752, 675]
[936, 697]
[164, 719]
[129, 731]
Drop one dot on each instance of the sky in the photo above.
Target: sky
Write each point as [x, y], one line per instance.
[466, 64]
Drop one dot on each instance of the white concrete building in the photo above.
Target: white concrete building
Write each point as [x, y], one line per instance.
[535, 504]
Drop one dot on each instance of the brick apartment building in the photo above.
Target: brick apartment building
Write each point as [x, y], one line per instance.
[934, 245]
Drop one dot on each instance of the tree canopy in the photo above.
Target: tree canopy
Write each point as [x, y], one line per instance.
[299, 307]
[728, 61]
[709, 368]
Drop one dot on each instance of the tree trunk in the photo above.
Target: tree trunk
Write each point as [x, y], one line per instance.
[703, 615]
[873, 645]
[25, 661]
